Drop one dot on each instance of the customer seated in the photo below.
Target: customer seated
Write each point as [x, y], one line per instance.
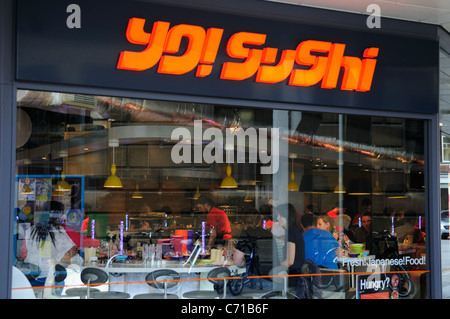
[320, 244]
[254, 249]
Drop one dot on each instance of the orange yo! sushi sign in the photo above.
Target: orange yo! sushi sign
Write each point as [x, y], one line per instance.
[308, 64]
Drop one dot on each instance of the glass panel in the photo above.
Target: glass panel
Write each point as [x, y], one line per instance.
[132, 186]
[444, 122]
[445, 148]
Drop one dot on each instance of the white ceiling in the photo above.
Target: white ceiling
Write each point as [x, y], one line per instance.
[427, 11]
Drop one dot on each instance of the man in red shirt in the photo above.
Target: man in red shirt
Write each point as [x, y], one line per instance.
[216, 219]
[338, 209]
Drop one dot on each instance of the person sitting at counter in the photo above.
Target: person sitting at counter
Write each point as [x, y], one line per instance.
[363, 234]
[320, 245]
[366, 206]
[326, 222]
[216, 220]
[254, 237]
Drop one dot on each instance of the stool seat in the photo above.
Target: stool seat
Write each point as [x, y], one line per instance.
[199, 294]
[218, 277]
[154, 296]
[80, 292]
[90, 276]
[161, 279]
[110, 295]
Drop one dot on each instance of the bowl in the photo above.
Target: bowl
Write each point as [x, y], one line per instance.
[357, 248]
[353, 255]
[176, 257]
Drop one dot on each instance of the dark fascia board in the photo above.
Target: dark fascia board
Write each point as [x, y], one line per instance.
[308, 15]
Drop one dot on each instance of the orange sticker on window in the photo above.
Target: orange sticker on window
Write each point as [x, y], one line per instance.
[311, 63]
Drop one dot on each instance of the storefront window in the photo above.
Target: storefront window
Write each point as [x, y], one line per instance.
[123, 186]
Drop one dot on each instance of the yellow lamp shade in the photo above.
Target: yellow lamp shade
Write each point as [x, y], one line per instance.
[62, 186]
[293, 186]
[113, 181]
[377, 189]
[137, 194]
[197, 195]
[228, 181]
[340, 190]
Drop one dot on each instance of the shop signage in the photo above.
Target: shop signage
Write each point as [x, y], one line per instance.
[145, 47]
[203, 46]
[377, 286]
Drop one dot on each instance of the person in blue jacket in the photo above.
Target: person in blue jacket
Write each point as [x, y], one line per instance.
[320, 245]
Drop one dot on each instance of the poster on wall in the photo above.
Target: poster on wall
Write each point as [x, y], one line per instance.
[33, 193]
[377, 286]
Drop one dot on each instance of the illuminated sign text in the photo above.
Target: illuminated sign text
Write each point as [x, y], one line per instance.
[310, 63]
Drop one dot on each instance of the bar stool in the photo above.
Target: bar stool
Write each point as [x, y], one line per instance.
[90, 276]
[281, 284]
[218, 277]
[162, 279]
[60, 274]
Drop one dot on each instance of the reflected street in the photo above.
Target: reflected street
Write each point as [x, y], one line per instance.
[445, 247]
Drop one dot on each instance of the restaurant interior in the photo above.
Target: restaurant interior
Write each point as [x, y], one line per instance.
[110, 160]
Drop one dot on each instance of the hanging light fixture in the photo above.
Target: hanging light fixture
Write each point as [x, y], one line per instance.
[228, 181]
[396, 191]
[113, 181]
[293, 186]
[314, 184]
[359, 186]
[377, 189]
[137, 193]
[248, 198]
[340, 189]
[196, 195]
[62, 185]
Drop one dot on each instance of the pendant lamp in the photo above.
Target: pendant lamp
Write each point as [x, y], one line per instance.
[293, 186]
[62, 185]
[248, 198]
[399, 190]
[314, 184]
[228, 181]
[113, 181]
[196, 195]
[340, 189]
[377, 189]
[137, 194]
[359, 186]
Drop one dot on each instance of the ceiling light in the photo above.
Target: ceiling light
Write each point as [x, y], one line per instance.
[228, 181]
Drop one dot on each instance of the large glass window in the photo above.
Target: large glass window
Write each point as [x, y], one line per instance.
[120, 188]
[444, 117]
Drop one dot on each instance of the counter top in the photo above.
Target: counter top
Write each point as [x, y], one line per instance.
[164, 264]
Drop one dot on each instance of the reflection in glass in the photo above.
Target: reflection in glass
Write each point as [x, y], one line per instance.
[345, 166]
